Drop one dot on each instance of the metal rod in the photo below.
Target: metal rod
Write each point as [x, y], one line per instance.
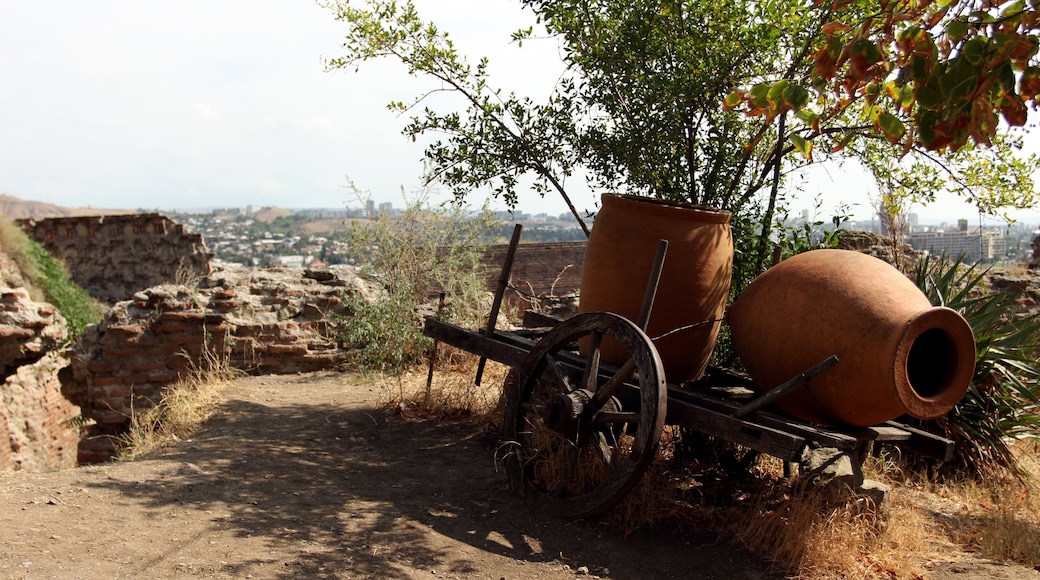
[785, 388]
[500, 290]
[433, 352]
[651, 286]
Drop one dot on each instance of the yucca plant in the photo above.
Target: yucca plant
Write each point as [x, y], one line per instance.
[1003, 401]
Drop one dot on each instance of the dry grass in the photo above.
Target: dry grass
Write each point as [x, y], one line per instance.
[451, 395]
[186, 404]
[795, 526]
[997, 519]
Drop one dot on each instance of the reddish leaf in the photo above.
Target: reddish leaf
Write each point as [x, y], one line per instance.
[1014, 112]
[1029, 86]
[835, 26]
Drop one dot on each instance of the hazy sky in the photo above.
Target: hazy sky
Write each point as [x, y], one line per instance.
[192, 104]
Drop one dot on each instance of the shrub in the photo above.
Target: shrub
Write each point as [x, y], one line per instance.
[415, 255]
[1003, 400]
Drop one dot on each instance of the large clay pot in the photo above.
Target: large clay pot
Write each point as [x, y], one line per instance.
[694, 281]
[897, 354]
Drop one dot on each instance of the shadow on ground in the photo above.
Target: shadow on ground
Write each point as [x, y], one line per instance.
[353, 485]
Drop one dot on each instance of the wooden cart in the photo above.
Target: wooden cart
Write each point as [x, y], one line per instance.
[578, 434]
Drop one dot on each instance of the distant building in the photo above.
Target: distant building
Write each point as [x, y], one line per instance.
[290, 261]
[976, 245]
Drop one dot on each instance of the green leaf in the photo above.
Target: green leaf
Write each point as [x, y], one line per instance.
[760, 95]
[976, 50]
[802, 145]
[929, 97]
[796, 97]
[891, 127]
[776, 92]
[733, 99]
[807, 116]
[957, 30]
[958, 81]
[925, 126]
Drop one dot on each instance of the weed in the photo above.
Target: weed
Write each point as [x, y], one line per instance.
[185, 405]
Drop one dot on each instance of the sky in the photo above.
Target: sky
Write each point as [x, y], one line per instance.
[192, 104]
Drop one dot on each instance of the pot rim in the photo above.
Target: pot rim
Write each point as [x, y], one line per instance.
[961, 340]
[664, 207]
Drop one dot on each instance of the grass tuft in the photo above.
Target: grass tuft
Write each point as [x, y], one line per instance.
[185, 405]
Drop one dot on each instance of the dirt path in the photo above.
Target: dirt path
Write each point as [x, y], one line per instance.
[305, 476]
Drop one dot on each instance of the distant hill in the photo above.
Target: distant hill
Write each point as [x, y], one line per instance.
[16, 208]
[268, 214]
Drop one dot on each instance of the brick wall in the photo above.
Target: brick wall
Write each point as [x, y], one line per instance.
[539, 269]
[36, 421]
[116, 255]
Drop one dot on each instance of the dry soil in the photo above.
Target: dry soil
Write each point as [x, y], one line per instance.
[307, 476]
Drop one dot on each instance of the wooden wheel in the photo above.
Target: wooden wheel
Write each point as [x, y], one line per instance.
[577, 437]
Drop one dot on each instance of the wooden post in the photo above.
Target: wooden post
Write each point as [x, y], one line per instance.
[500, 290]
[433, 352]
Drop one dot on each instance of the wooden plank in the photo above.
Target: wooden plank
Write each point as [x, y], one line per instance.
[821, 435]
[889, 434]
[500, 348]
[925, 443]
[784, 445]
[534, 319]
[767, 399]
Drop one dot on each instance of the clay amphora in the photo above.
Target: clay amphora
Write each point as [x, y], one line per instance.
[694, 281]
[897, 353]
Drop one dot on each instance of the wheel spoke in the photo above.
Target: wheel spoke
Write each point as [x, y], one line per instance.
[590, 378]
[615, 417]
[624, 374]
[605, 450]
[561, 377]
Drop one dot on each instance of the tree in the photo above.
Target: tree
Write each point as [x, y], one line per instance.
[638, 109]
[926, 74]
[698, 101]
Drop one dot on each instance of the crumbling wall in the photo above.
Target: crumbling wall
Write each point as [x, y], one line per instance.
[37, 427]
[262, 321]
[116, 255]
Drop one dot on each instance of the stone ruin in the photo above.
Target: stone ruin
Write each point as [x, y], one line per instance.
[261, 321]
[1034, 259]
[37, 424]
[267, 320]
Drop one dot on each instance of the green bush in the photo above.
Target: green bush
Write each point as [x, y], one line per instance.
[415, 255]
[1003, 401]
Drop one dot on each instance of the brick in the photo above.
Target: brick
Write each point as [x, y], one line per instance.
[144, 365]
[174, 328]
[102, 367]
[287, 349]
[182, 316]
